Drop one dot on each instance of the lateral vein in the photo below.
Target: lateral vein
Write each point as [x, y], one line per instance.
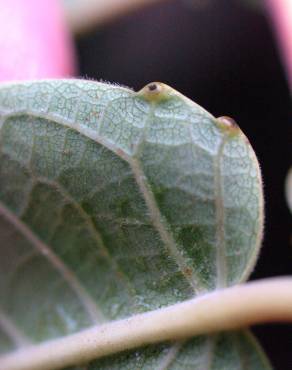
[91, 307]
[94, 231]
[85, 131]
[170, 356]
[220, 219]
[157, 221]
[18, 338]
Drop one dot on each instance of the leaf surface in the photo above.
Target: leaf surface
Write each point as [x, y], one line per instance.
[114, 202]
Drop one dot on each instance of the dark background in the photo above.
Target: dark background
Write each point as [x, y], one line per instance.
[223, 55]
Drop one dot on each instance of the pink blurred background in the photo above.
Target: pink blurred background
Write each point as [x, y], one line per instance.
[34, 40]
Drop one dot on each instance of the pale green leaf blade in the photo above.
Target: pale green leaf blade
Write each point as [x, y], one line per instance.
[114, 202]
[230, 351]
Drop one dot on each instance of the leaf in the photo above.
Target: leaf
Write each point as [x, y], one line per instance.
[115, 202]
[224, 351]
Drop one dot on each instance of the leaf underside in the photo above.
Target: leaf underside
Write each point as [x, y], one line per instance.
[114, 202]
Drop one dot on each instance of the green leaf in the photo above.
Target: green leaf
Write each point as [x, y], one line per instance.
[231, 351]
[114, 202]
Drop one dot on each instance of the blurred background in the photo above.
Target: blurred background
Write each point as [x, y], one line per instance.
[230, 56]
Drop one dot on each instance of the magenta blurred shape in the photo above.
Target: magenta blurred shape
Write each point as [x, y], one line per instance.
[34, 40]
[280, 12]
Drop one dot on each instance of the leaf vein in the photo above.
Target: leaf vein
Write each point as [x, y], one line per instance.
[170, 356]
[94, 231]
[19, 339]
[158, 222]
[67, 274]
[220, 219]
[85, 131]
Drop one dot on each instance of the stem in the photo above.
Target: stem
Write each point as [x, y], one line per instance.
[82, 15]
[227, 309]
